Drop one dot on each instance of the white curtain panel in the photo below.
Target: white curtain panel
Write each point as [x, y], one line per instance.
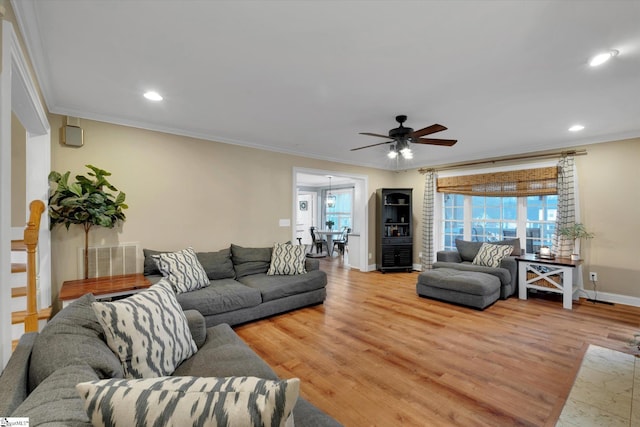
[566, 215]
[427, 220]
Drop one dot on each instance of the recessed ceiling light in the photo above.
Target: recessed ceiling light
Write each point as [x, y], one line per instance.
[601, 58]
[576, 128]
[153, 96]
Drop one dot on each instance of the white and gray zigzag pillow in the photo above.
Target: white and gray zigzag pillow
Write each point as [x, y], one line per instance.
[491, 255]
[182, 269]
[287, 259]
[147, 331]
[193, 401]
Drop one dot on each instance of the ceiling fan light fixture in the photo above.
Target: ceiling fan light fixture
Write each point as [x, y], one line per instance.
[393, 153]
[601, 58]
[406, 153]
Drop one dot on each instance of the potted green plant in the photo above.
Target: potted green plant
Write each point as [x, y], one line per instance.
[329, 224]
[87, 202]
[575, 232]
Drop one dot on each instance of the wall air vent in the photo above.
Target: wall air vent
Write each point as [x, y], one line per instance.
[110, 260]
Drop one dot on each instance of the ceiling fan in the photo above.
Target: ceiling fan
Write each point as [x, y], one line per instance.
[402, 136]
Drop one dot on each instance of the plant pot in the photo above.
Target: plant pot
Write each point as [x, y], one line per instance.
[575, 257]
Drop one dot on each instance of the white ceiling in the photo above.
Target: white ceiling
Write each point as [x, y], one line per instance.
[305, 77]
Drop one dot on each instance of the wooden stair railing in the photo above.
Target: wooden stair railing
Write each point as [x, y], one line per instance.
[31, 232]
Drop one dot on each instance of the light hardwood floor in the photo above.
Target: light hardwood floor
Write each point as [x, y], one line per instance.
[376, 354]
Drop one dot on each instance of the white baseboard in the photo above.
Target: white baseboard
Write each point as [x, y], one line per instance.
[614, 298]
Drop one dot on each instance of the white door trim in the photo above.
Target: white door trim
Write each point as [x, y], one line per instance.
[18, 94]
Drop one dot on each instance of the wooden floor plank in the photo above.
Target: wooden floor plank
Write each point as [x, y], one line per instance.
[376, 354]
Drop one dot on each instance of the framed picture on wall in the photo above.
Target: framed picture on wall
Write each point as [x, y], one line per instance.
[303, 205]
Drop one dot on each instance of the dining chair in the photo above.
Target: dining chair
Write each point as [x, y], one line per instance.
[343, 240]
[317, 243]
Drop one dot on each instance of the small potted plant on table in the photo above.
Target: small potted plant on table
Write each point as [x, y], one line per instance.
[575, 232]
[329, 224]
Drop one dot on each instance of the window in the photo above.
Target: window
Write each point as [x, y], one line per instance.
[453, 219]
[492, 216]
[342, 213]
[541, 221]
[488, 219]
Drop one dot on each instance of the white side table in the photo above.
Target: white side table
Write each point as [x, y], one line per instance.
[551, 275]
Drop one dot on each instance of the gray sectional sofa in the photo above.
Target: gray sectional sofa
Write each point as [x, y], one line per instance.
[240, 289]
[40, 378]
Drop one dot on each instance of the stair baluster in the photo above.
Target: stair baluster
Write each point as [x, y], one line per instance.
[31, 232]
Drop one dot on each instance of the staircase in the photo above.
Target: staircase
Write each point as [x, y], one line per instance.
[25, 314]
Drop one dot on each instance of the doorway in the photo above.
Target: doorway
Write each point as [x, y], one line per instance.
[306, 215]
[310, 182]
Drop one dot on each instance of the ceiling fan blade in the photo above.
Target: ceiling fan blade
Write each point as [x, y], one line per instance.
[429, 130]
[372, 145]
[433, 141]
[374, 134]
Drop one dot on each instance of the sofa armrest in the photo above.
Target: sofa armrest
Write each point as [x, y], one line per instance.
[197, 326]
[510, 263]
[448, 256]
[13, 381]
[311, 264]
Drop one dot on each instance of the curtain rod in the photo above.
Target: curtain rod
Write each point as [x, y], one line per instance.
[506, 159]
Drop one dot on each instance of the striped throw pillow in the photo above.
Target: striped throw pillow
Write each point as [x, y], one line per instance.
[492, 255]
[192, 401]
[147, 331]
[183, 270]
[287, 259]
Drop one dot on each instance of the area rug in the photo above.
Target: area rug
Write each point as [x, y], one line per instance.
[606, 391]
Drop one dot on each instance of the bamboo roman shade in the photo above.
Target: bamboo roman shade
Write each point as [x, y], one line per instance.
[526, 182]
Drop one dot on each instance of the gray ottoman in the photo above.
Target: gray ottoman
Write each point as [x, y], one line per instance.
[470, 288]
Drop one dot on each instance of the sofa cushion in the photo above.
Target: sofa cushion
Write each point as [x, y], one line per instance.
[248, 261]
[224, 354]
[183, 270]
[73, 333]
[219, 297]
[492, 255]
[150, 264]
[468, 250]
[148, 331]
[55, 401]
[242, 401]
[276, 287]
[197, 326]
[510, 242]
[217, 265]
[501, 273]
[287, 259]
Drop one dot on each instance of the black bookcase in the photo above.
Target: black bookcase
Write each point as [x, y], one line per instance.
[394, 236]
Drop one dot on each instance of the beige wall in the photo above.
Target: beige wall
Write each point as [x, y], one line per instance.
[609, 177]
[184, 191]
[18, 173]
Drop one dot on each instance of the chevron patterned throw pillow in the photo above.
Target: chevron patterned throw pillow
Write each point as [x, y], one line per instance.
[491, 255]
[287, 259]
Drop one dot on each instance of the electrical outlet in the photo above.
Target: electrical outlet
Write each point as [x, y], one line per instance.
[593, 276]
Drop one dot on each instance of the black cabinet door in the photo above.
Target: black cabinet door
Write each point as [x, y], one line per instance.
[396, 257]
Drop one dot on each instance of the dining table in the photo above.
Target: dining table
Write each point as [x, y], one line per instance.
[329, 234]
